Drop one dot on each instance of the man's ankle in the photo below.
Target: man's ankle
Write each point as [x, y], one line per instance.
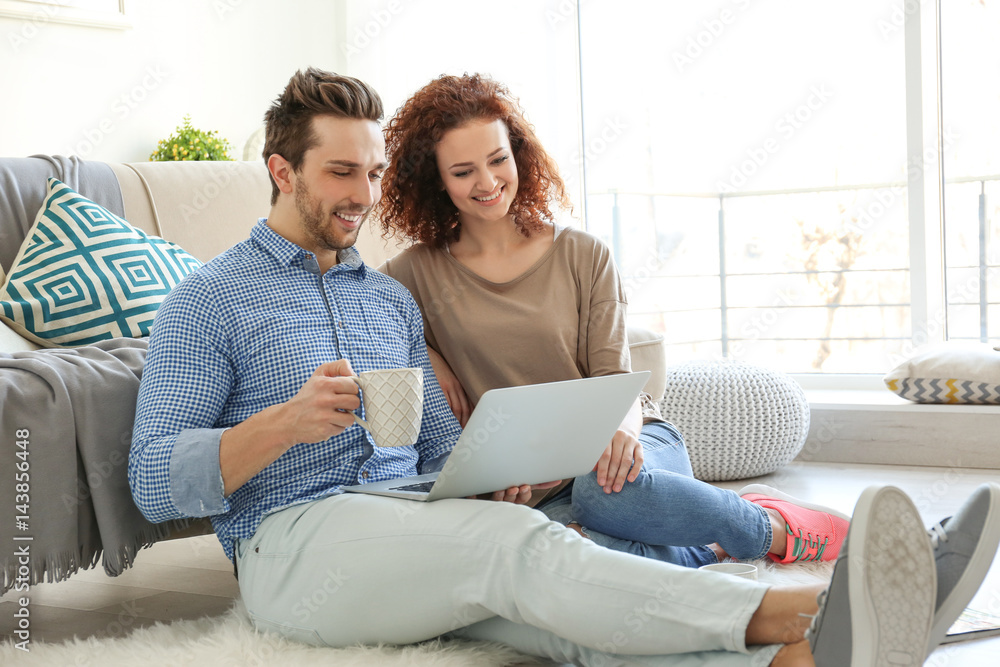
[784, 615]
[794, 655]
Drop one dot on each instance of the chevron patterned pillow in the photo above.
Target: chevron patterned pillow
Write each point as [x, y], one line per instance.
[951, 372]
[83, 274]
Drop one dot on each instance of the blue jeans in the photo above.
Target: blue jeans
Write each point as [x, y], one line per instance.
[665, 513]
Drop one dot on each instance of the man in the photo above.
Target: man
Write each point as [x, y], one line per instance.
[244, 416]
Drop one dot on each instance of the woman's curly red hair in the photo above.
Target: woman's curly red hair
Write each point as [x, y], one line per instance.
[413, 201]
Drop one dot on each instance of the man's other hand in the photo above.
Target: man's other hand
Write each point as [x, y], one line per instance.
[519, 495]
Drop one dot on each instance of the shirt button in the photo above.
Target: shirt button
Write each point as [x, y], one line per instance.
[364, 475]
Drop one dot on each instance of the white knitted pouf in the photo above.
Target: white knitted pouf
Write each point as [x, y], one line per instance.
[738, 420]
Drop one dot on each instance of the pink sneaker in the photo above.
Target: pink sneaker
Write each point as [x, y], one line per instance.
[815, 532]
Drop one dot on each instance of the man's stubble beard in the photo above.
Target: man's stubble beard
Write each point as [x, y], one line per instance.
[318, 226]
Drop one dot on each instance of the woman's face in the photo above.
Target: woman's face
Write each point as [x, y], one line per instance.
[478, 171]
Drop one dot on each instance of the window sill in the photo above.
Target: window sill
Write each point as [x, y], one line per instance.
[885, 401]
[869, 426]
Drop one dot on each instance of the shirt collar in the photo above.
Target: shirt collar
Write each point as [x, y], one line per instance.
[291, 254]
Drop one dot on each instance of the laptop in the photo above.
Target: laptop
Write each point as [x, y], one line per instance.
[525, 435]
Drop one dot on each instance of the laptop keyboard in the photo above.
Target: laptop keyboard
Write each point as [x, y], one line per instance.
[425, 487]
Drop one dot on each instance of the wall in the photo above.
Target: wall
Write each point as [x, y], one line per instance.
[108, 94]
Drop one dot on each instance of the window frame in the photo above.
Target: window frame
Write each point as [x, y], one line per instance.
[925, 189]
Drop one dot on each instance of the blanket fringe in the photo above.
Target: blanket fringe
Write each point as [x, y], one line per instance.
[55, 567]
[116, 563]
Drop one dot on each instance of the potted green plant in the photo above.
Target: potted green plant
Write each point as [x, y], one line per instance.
[190, 143]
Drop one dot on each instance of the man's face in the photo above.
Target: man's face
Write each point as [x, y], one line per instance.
[339, 182]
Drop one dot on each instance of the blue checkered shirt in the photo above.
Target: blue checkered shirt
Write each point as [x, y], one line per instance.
[245, 332]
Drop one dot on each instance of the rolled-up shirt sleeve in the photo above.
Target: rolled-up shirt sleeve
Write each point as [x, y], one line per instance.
[196, 484]
[174, 469]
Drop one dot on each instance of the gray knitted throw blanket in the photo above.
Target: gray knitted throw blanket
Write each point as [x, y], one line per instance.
[65, 428]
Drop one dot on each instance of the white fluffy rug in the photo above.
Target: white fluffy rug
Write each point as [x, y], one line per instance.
[231, 640]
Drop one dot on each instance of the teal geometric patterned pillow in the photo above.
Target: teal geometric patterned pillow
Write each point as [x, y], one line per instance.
[83, 274]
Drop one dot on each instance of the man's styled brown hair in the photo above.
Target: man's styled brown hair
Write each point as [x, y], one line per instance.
[288, 123]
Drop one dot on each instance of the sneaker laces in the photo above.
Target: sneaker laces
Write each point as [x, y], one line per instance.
[817, 617]
[805, 542]
[937, 534]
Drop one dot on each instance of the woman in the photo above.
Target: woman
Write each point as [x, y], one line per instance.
[511, 298]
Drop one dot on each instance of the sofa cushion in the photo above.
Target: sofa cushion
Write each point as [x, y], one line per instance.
[952, 372]
[11, 341]
[649, 353]
[205, 206]
[84, 274]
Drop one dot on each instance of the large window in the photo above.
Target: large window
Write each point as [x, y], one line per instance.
[756, 195]
[780, 182]
[970, 65]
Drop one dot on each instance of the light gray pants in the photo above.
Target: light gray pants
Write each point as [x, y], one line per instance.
[354, 569]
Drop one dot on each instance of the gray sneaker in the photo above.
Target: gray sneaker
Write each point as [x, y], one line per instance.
[878, 609]
[964, 547]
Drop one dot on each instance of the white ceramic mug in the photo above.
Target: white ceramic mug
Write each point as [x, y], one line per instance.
[742, 570]
[394, 405]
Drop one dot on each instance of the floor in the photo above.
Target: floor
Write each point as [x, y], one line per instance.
[189, 578]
